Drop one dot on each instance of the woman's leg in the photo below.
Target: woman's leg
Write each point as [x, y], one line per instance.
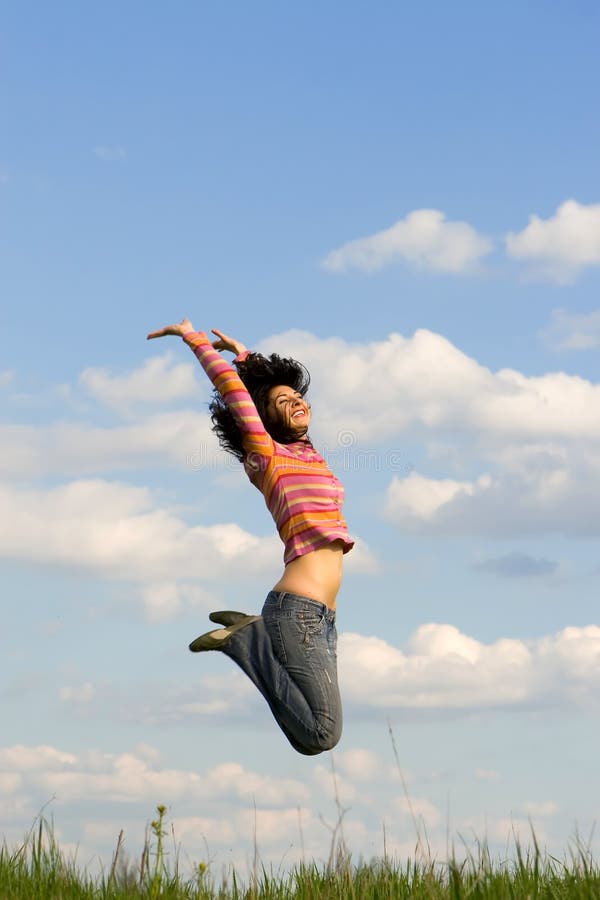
[290, 655]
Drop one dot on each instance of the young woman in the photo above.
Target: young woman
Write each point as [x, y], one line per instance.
[260, 414]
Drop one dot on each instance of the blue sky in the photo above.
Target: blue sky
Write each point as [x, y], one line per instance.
[405, 198]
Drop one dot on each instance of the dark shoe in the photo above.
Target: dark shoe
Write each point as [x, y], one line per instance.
[226, 617]
[216, 640]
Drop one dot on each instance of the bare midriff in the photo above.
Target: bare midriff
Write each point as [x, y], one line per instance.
[316, 575]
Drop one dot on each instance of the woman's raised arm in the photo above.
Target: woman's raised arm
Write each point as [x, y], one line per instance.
[224, 342]
[255, 437]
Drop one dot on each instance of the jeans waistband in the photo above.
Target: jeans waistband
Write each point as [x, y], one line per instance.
[282, 598]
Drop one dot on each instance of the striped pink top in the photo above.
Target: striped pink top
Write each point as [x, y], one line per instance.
[302, 494]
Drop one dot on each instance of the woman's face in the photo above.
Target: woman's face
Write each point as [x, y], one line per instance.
[289, 409]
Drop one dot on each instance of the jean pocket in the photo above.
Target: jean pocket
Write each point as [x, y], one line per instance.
[310, 626]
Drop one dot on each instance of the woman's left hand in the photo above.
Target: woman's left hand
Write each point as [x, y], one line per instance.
[179, 329]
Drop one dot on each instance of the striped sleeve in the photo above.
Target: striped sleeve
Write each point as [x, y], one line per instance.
[255, 438]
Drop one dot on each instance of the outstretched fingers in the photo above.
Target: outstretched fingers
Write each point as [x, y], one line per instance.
[226, 342]
[179, 329]
[161, 333]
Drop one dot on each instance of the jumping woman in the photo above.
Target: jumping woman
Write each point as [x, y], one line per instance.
[260, 415]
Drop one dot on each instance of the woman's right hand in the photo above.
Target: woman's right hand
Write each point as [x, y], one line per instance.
[179, 329]
[227, 343]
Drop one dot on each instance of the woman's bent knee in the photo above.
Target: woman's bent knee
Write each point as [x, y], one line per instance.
[320, 742]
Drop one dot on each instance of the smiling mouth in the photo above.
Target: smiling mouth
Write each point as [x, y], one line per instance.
[300, 412]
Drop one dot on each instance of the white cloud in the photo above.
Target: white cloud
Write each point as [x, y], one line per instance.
[429, 384]
[523, 451]
[338, 789]
[118, 531]
[158, 381]
[22, 758]
[442, 668]
[536, 438]
[421, 498]
[272, 826]
[361, 560]
[164, 600]
[10, 782]
[199, 830]
[6, 378]
[573, 331]
[222, 814]
[358, 763]
[239, 802]
[421, 809]
[432, 384]
[424, 238]
[438, 669]
[181, 438]
[132, 778]
[233, 779]
[560, 247]
[538, 490]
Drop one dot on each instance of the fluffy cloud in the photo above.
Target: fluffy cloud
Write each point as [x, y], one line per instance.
[157, 381]
[164, 600]
[424, 238]
[442, 668]
[420, 810]
[237, 805]
[561, 246]
[534, 439]
[360, 764]
[361, 560]
[21, 758]
[538, 491]
[418, 498]
[138, 776]
[432, 384]
[118, 531]
[228, 812]
[573, 331]
[175, 437]
[181, 438]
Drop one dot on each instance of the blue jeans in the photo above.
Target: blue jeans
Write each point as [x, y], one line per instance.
[290, 655]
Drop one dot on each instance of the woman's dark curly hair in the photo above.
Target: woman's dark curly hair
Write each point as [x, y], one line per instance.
[259, 374]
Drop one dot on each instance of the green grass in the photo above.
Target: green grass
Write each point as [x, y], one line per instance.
[37, 870]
